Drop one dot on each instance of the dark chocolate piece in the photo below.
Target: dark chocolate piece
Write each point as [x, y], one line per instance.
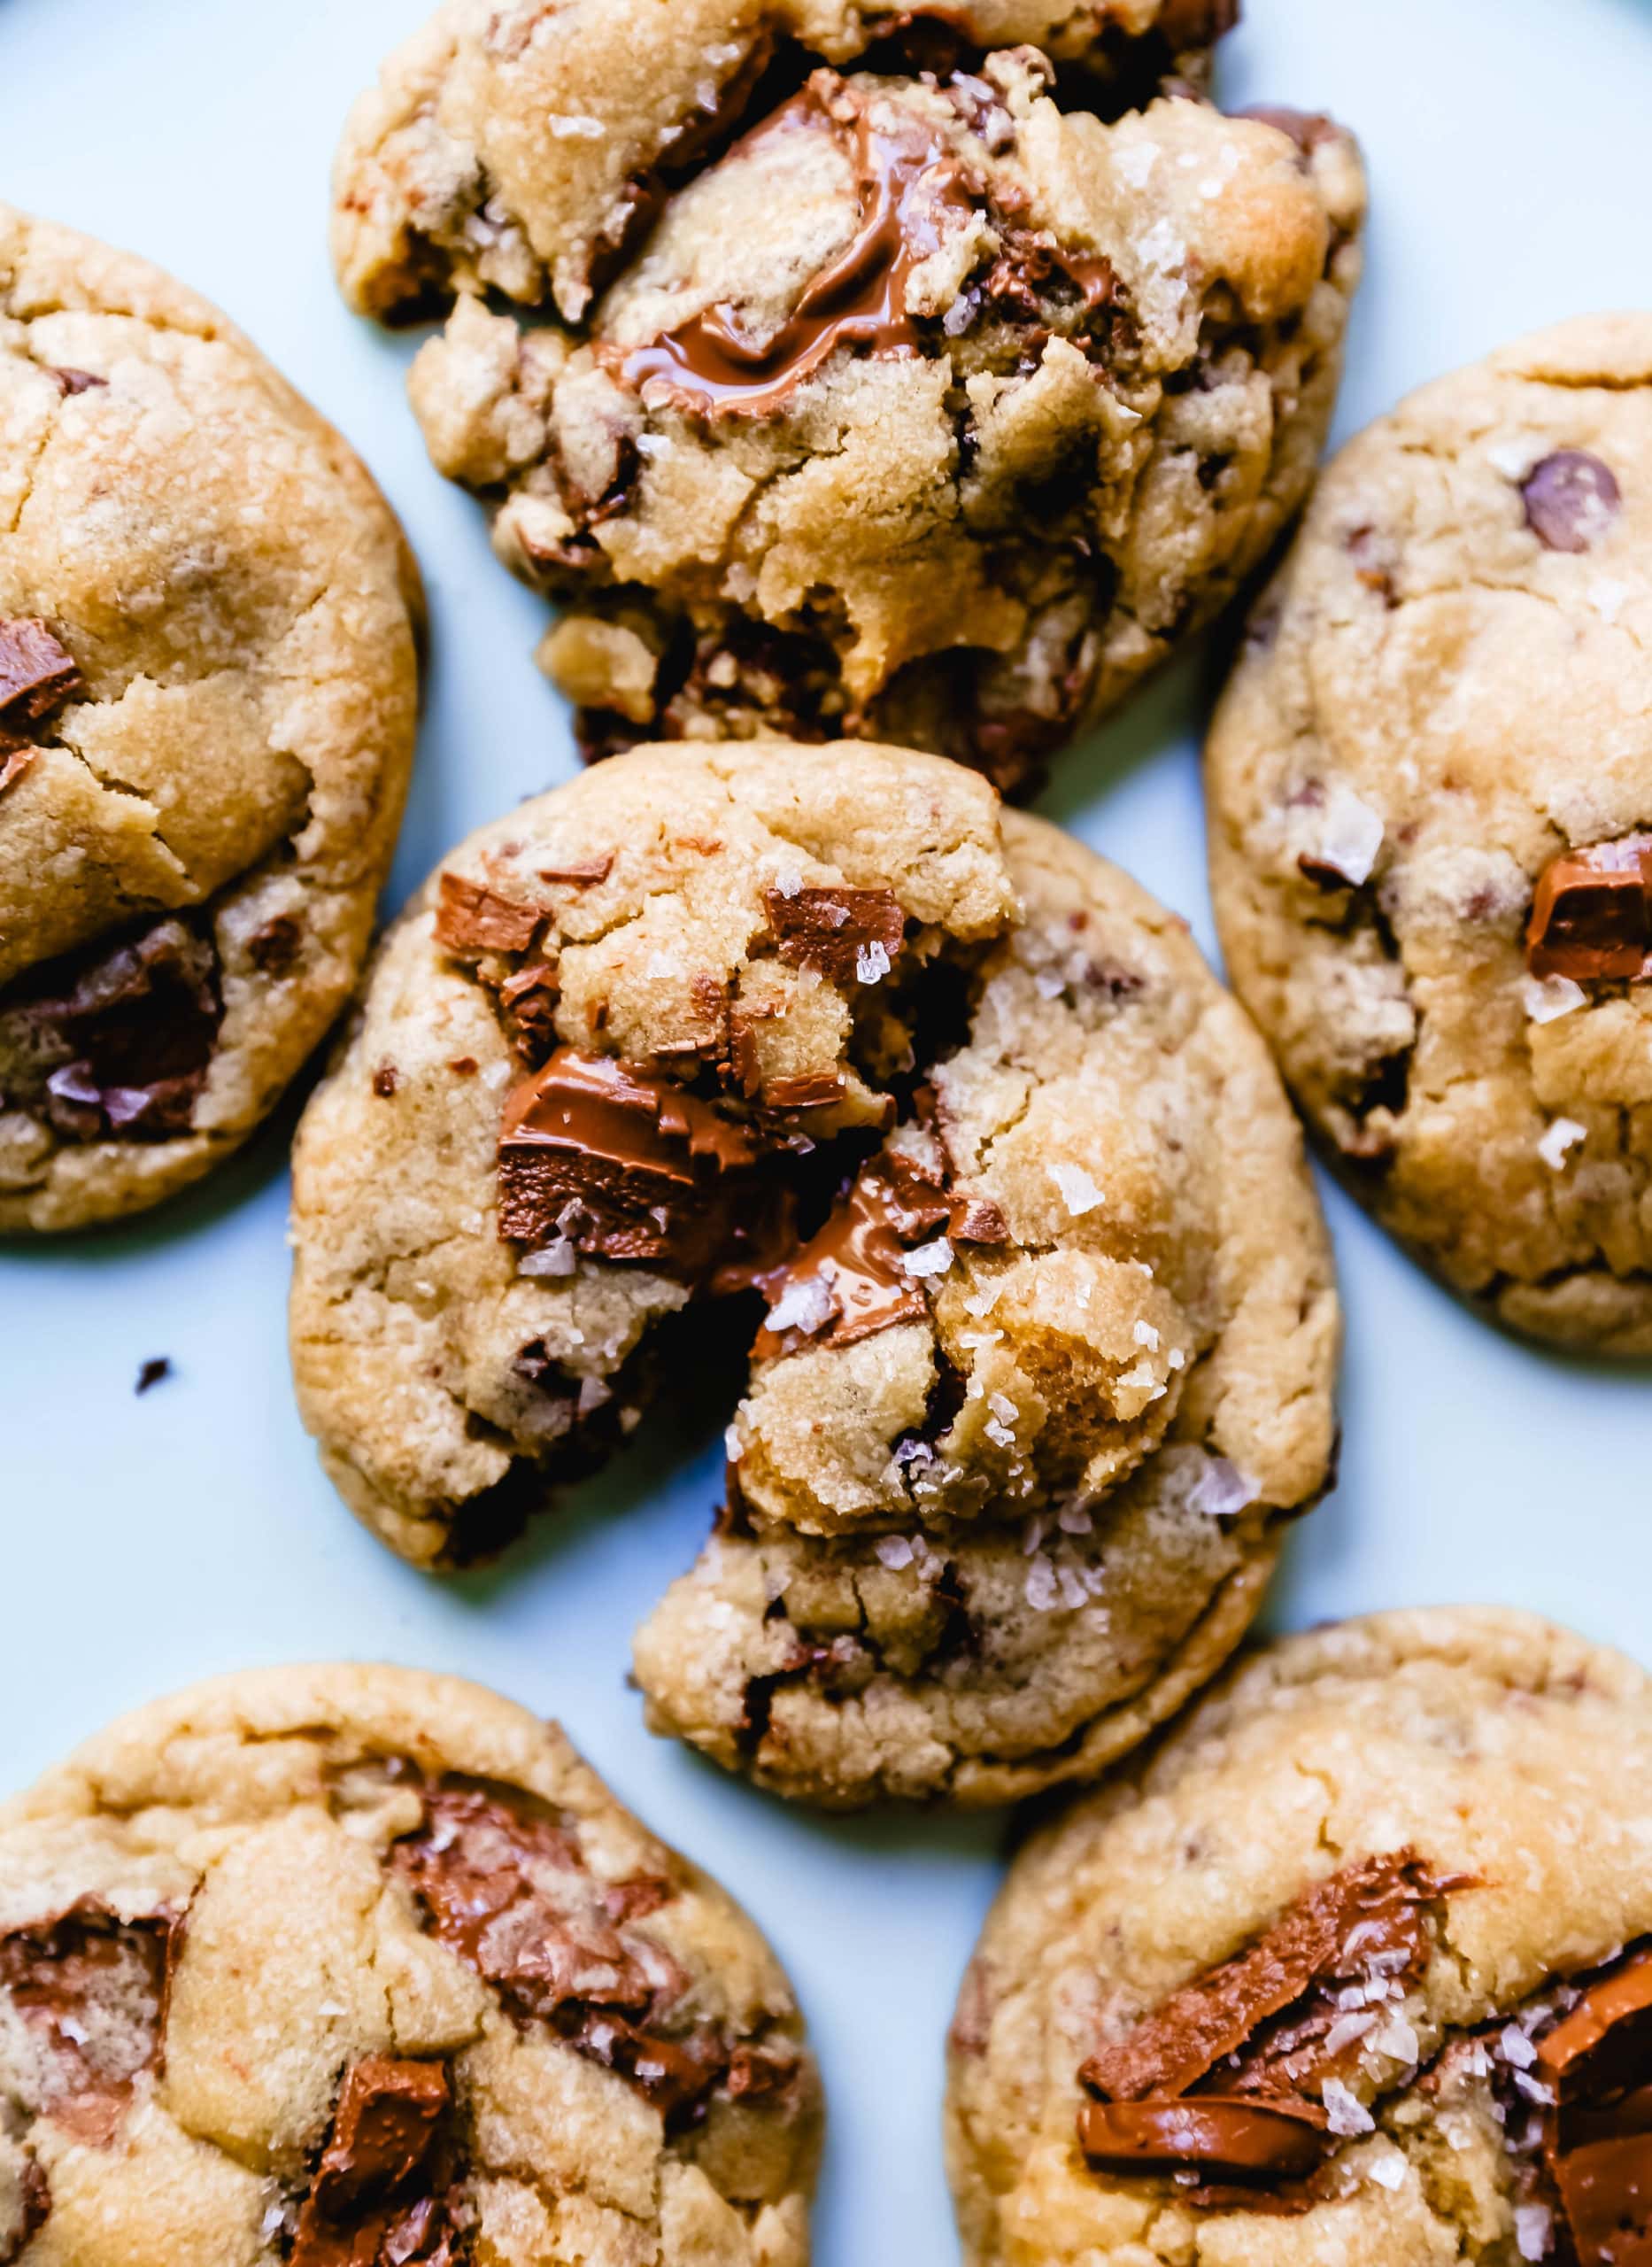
[1597, 2140]
[1226, 2138]
[907, 178]
[1592, 913]
[37, 674]
[380, 2196]
[471, 918]
[274, 947]
[1571, 500]
[829, 928]
[92, 1989]
[634, 1168]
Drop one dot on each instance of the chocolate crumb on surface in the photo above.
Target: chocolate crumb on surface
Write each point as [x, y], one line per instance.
[158, 1367]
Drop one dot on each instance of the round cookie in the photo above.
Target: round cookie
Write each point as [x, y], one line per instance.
[1355, 1968]
[988, 1526]
[1047, 1330]
[1431, 828]
[322, 1965]
[208, 687]
[929, 411]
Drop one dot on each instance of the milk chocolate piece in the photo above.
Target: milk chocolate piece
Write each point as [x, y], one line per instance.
[364, 2208]
[72, 381]
[471, 918]
[16, 756]
[813, 1091]
[1592, 914]
[1571, 500]
[829, 929]
[92, 1988]
[634, 1168]
[1226, 2138]
[1263, 2012]
[579, 873]
[907, 180]
[28, 2212]
[37, 674]
[1597, 2140]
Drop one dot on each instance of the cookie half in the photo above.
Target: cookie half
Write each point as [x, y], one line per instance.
[1357, 1967]
[928, 411]
[982, 1546]
[358, 1964]
[1431, 828]
[953, 1127]
[208, 688]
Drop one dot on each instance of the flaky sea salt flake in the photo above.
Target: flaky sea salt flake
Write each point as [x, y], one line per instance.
[1345, 2113]
[1078, 1191]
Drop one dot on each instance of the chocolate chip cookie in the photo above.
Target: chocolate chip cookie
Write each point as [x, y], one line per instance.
[1431, 823]
[1042, 1349]
[207, 696]
[1358, 1966]
[344, 1965]
[930, 410]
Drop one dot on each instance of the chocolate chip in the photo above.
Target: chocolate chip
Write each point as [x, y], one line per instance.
[274, 947]
[37, 673]
[1571, 500]
[158, 1367]
[471, 918]
[832, 929]
[386, 1079]
[71, 381]
[1592, 913]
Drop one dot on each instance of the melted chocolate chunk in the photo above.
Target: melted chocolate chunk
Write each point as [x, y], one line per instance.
[1571, 500]
[93, 1990]
[1592, 915]
[1224, 2138]
[27, 2212]
[1597, 2138]
[1251, 2034]
[471, 918]
[813, 1092]
[907, 180]
[503, 1883]
[630, 1167]
[37, 674]
[382, 2195]
[830, 929]
[122, 1038]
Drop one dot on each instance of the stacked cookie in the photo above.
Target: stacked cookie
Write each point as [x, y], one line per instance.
[879, 395]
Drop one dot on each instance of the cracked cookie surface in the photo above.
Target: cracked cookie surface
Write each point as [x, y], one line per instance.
[1044, 1346]
[1431, 828]
[207, 703]
[1352, 1968]
[929, 411]
[360, 1965]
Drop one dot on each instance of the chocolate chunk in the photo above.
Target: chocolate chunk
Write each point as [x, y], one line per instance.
[907, 180]
[71, 381]
[152, 1373]
[580, 873]
[92, 1988]
[16, 756]
[26, 2212]
[634, 1168]
[1260, 2012]
[381, 2195]
[37, 674]
[1592, 914]
[857, 1260]
[1571, 500]
[122, 1036]
[471, 918]
[830, 929]
[1224, 2138]
[386, 1079]
[1308, 129]
[813, 1091]
[274, 947]
[1196, 23]
[529, 999]
[976, 1219]
[1597, 2138]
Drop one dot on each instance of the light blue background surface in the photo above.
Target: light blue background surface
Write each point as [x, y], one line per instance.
[147, 1543]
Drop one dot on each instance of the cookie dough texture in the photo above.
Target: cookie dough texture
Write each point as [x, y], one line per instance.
[243, 1926]
[1031, 1398]
[1507, 1758]
[928, 411]
[197, 812]
[1447, 690]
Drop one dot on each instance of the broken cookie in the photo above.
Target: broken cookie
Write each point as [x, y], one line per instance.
[207, 695]
[846, 383]
[495, 2018]
[954, 1127]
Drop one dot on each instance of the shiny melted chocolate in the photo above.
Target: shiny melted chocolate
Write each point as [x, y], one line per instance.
[380, 2197]
[1597, 2142]
[1224, 2078]
[1592, 915]
[907, 181]
[629, 1167]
